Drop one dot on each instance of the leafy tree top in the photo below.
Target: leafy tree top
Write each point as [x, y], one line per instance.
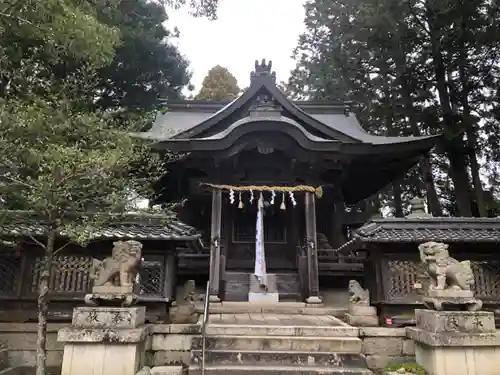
[219, 84]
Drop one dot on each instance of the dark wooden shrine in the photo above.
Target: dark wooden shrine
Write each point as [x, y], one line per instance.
[393, 260]
[21, 260]
[262, 138]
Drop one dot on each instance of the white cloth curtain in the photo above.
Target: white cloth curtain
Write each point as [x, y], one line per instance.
[260, 256]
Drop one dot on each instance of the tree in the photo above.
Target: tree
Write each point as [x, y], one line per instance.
[36, 35]
[414, 67]
[219, 84]
[67, 168]
[147, 67]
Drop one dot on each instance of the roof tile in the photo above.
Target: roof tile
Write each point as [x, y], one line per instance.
[148, 229]
[430, 229]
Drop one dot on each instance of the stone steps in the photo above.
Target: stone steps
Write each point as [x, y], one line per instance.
[276, 358]
[276, 330]
[285, 308]
[281, 343]
[277, 370]
[274, 344]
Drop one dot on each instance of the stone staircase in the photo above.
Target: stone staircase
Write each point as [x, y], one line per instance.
[278, 344]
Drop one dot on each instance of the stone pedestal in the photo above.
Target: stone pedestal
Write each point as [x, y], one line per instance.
[104, 341]
[258, 294]
[361, 315]
[456, 342]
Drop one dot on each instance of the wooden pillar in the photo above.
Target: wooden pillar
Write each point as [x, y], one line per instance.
[338, 218]
[312, 249]
[170, 275]
[215, 245]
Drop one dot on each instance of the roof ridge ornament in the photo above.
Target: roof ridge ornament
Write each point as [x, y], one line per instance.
[263, 69]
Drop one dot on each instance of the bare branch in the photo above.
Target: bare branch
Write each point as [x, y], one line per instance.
[63, 247]
[42, 245]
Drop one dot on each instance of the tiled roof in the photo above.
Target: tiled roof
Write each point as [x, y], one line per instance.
[439, 229]
[139, 227]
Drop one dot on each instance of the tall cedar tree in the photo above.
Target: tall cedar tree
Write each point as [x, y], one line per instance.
[390, 56]
[219, 84]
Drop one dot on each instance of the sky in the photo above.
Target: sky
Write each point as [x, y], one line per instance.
[245, 31]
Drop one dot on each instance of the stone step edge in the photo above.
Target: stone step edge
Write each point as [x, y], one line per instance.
[338, 331]
[266, 337]
[291, 352]
[281, 369]
[273, 326]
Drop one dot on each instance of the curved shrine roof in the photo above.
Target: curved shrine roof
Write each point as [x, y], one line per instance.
[320, 128]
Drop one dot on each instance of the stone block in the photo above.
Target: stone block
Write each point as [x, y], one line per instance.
[176, 328]
[382, 332]
[104, 336]
[450, 293]
[259, 295]
[378, 362]
[358, 309]
[389, 346]
[112, 289]
[455, 321]
[109, 317]
[166, 357]
[408, 347]
[361, 320]
[102, 359]
[167, 370]
[458, 360]
[172, 342]
[450, 339]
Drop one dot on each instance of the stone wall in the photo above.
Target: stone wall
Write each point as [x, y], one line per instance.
[383, 346]
[168, 343]
[20, 339]
[171, 343]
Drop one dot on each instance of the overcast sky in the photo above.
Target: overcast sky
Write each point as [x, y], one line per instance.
[245, 31]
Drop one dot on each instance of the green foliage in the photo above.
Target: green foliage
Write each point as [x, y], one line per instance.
[413, 67]
[63, 164]
[147, 68]
[219, 84]
[412, 368]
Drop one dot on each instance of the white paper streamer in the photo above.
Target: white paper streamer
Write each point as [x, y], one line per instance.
[260, 257]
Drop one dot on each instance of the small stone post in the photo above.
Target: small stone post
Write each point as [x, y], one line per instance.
[459, 342]
[108, 337]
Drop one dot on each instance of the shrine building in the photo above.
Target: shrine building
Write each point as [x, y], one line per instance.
[305, 168]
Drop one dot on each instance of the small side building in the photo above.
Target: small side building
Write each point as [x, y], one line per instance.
[393, 260]
[70, 280]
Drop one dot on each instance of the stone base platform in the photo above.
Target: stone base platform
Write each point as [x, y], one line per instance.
[287, 308]
[456, 342]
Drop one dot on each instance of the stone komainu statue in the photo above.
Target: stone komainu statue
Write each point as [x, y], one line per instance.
[445, 272]
[358, 295]
[122, 265]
